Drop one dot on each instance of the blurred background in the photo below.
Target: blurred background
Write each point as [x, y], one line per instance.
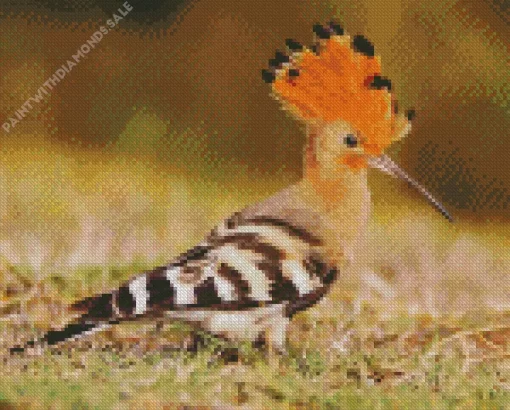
[165, 127]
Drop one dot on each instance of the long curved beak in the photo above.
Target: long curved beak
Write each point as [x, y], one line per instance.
[386, 164]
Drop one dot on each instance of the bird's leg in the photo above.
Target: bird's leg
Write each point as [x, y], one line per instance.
[158, 327]
[275, 334]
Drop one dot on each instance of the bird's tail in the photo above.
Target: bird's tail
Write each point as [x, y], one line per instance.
[71, 331]
[129, 301]
[97, 313]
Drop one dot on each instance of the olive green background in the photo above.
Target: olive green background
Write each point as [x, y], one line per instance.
[177, 84]
[166, 127]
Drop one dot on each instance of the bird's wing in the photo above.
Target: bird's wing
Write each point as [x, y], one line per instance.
[244, 263]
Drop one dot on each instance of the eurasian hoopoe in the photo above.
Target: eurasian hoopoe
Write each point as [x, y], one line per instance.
[261, 266]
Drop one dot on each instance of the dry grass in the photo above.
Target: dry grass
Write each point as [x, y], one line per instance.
[421, 319]
[410, 361]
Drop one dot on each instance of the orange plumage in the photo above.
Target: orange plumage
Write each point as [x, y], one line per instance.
[336, 84]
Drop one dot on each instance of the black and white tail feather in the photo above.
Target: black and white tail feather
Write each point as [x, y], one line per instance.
[248, 277]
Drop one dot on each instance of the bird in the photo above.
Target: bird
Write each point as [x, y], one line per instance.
[265, 263]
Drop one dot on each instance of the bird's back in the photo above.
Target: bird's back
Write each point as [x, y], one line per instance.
[256, 267]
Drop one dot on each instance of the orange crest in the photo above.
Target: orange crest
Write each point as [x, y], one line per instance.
[338, 79]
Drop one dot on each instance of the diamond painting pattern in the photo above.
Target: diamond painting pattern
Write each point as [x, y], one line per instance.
[211, 204]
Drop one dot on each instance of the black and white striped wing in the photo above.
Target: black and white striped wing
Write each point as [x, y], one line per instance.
[242, 264]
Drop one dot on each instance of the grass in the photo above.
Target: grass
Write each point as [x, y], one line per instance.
[344, 360]
[420, 320]
[134, 367]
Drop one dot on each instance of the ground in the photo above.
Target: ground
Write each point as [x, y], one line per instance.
[407, 362]
[444, 345]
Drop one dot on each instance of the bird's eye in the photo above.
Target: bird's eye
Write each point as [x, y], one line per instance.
[351, 140]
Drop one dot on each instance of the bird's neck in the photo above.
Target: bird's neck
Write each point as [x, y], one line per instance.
[334, 187]
[341, 196]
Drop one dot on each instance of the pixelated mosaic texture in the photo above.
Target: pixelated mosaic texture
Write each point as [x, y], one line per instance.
[166, 127]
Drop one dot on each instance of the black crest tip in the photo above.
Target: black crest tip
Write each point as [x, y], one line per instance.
[317, 28]
[274, 63]
[411, 114]
[293, 45]
[293, 72]
[363, 46]
[336, 28]
[321, 32]
[379, 83]
[281, 57]
[268, 76]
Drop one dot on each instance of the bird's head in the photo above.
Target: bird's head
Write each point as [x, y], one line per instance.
[336, 88]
